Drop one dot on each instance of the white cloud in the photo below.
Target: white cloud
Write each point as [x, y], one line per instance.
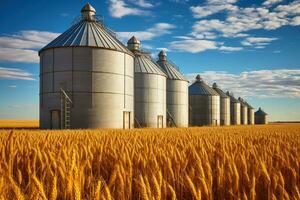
[142, 3]
[271, 2]
[295, 21]
[157, 30]
[15, 74]
[226, 48]
[19, 55]
[212, 7]
[258, 42]
[261, 83]
[239, 20]
[12, 86]
[23, 46]
[119, 9]
[193, 45]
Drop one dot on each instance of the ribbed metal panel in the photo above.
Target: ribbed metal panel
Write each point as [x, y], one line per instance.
[177, 94]
[100, 84]
[204, 103]
[149, 93]
[224, 106]
[261, 117]
[244, 112]
[235, 110]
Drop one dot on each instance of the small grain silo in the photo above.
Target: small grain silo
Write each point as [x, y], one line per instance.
[250, 113]
[224, 105]
[86, 78]
[177, 93]
[261, 117]
[204, 104]
[235, 110]
[149, 89]
[244, 111]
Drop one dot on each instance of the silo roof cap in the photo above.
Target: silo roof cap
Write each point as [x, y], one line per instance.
[260, 112]
[88, 8]
[219, 91]
[162, 53]
[199, 87]
[241, 100]
[133, 40]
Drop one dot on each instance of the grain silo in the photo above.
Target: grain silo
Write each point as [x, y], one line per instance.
[250, 113]
[149, 89]
[261, 117]
[177, 93]
[86, 78]
[235, 110]
[244, 112]
[224, 106]
[204, 103]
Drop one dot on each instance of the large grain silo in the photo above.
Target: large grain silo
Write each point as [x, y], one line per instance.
[244, 112]
[149, 89]
[250, 113]
[261, 117]
[224, 106]
[204, 103]
[177, 93]
[235, 110]
[86, 78]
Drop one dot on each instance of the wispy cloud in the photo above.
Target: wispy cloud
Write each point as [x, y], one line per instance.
[157, 30]
[193, 45]
[15, 74]
[257, 41]
[23, 46]
[143, 3]
[277, 83]
[119, 8]
[269, 3]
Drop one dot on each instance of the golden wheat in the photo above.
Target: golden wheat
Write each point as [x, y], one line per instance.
[236, 162]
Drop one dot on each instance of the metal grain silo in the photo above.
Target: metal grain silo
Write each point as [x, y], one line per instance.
[261, 117]
[224, 106]
[204, 104]
[86, 78]
[235, 110]
[177, 93]
[250, 113]
[149, 89]
[244, 111]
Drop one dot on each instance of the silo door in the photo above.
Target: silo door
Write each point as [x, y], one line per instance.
[55, 119]
[126, 120]
[160, 121]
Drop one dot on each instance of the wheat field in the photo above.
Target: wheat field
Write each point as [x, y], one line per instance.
[236, 162]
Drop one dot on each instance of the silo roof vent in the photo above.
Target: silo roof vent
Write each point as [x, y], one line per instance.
[198, 78]
[88, 12]
[134, 44]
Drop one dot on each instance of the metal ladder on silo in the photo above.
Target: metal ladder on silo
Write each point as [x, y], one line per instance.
[65, 103]
[137, 122]
[171, 117]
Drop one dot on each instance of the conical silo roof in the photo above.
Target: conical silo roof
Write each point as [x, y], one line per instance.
[169, 68]
[88, 32]
[199, 87]
[232, 98]
[143, 64]
[219, 91]
[249, 106]
[260, 112]
[241, 100]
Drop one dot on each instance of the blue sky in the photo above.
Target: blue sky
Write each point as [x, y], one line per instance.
[248, 47]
